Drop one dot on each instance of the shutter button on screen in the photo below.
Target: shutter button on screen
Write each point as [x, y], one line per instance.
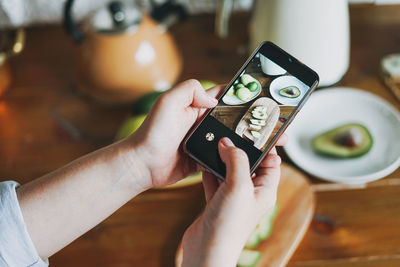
[210, 136]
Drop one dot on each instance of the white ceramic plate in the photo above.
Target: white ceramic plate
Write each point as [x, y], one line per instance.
[234, 100]
[329, 108]
[285, 81]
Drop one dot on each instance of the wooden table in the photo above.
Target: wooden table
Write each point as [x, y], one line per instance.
[358, 226]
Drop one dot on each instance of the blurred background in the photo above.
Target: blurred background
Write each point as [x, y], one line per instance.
[78, 75]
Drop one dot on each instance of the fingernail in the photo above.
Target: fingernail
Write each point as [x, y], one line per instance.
[226, 142]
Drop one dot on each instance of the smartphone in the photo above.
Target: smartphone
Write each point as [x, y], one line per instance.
[254, 109]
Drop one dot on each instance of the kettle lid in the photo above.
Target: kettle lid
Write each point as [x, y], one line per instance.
[117, 17]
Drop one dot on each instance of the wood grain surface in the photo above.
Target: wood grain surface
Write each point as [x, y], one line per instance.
[45, 122]
[296, 207]
[242, 127]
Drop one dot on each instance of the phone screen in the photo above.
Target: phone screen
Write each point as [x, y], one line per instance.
[255, 108]
[260, 101]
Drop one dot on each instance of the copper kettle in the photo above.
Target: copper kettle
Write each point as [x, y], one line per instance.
[123, 53]
[11, 44]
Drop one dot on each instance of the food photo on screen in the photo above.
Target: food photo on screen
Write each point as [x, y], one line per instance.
[260, 101]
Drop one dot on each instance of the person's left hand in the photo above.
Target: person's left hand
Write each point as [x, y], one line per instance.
[161, 134]
[234, 207]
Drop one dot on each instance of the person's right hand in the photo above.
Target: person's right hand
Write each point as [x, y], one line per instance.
[234, 207]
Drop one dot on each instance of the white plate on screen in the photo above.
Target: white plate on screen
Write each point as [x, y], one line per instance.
[284, 81]
[329, 108]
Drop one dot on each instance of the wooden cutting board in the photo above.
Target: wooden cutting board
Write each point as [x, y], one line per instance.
[296, 207]
[273, 115]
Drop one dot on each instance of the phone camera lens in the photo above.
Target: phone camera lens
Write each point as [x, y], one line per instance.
[210, 136]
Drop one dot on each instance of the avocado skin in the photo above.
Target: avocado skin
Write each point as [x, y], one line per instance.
[144, 104]
[325, 144]
[283, 92]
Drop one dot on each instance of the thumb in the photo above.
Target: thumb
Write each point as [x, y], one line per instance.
[201, 99]
[190, 93]
[237, 164]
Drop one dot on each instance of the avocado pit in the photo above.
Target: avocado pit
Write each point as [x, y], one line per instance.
[346, 141]
[350, 138]
[290, 92]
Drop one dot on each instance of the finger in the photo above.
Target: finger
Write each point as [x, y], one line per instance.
[236, 162]
[189, 93]
[273, 151]
[271, 160]
[210, 184]
[267, 180]
[268, 174]
[283, 139]
[266, 184]
[216, 91]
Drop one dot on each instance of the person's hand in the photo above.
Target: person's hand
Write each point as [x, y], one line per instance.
[234, 207]
[161, 134]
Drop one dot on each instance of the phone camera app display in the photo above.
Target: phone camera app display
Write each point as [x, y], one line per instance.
[260, 101]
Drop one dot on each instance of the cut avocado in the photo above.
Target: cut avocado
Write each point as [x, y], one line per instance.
[259, 115]
[347, 141]
[248, 258]
[246, 79]
[266, 224]
[253, 86]
[254, 239]
[258, 122]
[263, 229]
[239, 85]
[290, 92]
[243, 94]
[231, 91]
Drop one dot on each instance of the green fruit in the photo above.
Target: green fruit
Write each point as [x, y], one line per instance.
[253, 86]
[144, 104]
[263, 229]
[239, 85]
[207, 84]
[231, 91]
[243, 94]
[248, 258]
[347, 141]
[130, 126]
[254, 239]
[246, 79]
[290, 92]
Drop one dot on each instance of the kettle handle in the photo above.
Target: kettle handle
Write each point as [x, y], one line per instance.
[168, 13]
[16, 48]
[69, 24]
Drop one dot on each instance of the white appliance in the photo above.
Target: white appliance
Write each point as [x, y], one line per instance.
[314, 31]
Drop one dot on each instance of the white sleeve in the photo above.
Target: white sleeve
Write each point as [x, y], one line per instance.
[16, 246]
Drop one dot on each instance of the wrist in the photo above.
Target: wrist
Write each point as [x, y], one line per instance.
[223, 250]
[205, 245]
[133, 156]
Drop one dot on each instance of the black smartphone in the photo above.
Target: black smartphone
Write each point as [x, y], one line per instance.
[255, 108]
